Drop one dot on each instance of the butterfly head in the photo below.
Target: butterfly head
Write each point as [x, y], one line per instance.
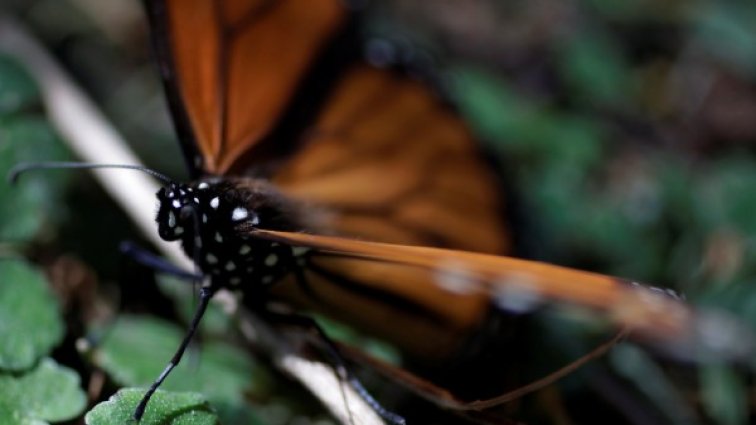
[183, 209]
[175, 210]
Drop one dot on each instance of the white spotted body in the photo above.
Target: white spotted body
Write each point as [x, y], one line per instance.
[213, 220]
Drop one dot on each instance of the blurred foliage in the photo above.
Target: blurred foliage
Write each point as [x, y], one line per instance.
[639, 368]
[135, 348]
[24, 135]
[18, 92]
[626, 129]
[30, 317]
[33, 387]
[47, 393]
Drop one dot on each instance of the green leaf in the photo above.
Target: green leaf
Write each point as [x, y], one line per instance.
[165, 408]
[595, 69]
[17, 89]
[137, 349]
[49, 392]
[27, 205]
[492, 107]
[724, 394]
[10, 417]
[30, 321]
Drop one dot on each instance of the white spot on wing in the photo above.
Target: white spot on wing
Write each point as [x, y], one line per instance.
[299, 251]
[211, 259]
[204, 218]
[179, 230]
[239, 214]
[176, 203]
[230, 266]
[171, 219]
[245, 249]
[203, 186]
[218, 237]
[271, 260]
[214, 203]
[517, 293]
[455, 277]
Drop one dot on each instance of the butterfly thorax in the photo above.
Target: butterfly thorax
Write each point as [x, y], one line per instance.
[214, 218]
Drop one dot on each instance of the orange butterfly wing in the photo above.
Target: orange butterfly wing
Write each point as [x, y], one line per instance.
[391, 163]
[446, 284]
[238, 64]
[387, 161]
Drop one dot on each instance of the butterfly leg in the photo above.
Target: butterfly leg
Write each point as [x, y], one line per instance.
[337, 361]
[206, 293]
[152, 261]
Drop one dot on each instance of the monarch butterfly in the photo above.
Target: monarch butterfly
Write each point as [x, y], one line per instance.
[347, 150]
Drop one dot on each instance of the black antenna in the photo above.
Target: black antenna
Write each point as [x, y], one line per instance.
[23, 167]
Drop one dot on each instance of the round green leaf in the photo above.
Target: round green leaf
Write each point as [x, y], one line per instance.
[165, 408]
[17, 89]
[30, 321]
[138, 347]
[9, 416]
[49, 392]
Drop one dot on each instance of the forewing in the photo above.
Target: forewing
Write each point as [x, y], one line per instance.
[231, 67]
[449, 289]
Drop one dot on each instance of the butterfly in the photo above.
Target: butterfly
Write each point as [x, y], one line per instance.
[357, 172]
[340, 186]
